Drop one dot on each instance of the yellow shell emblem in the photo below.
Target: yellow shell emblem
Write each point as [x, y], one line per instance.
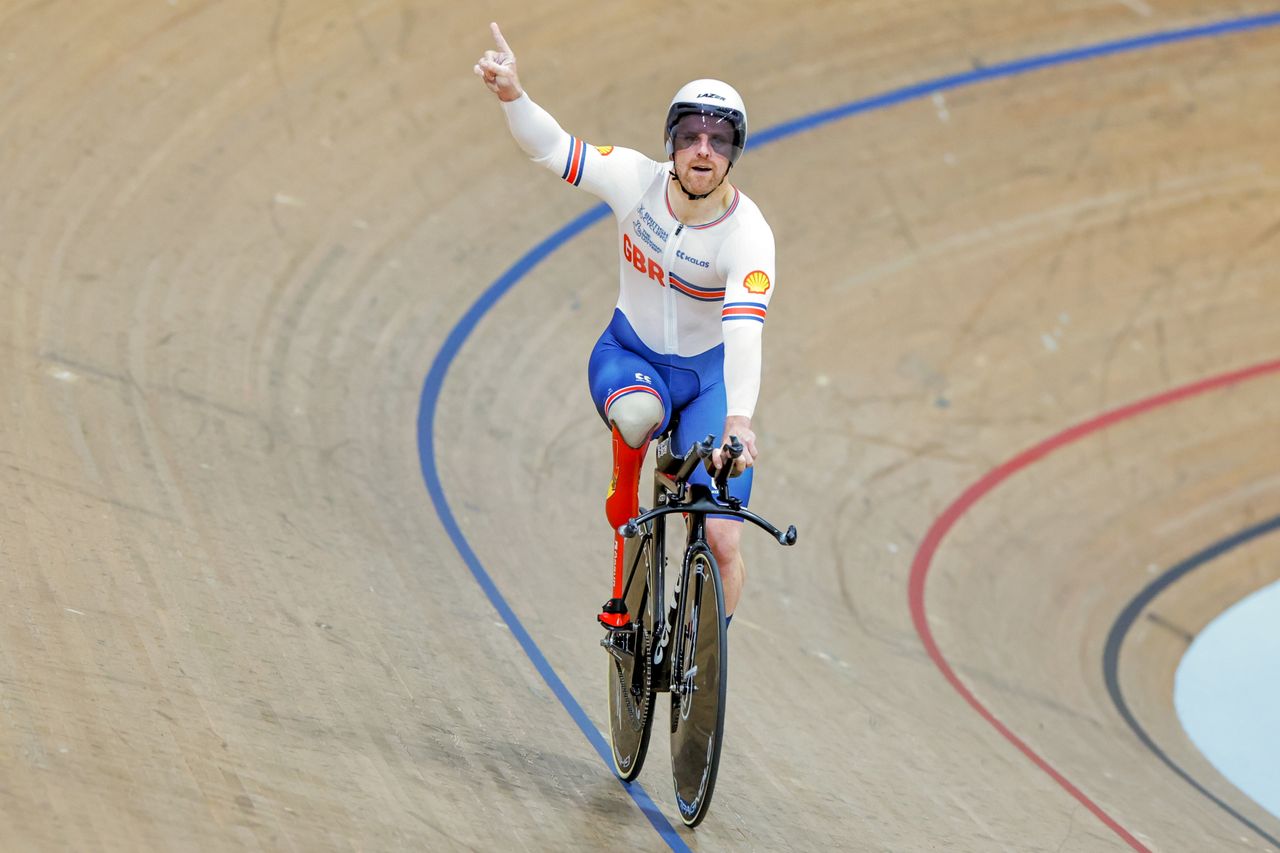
[756, 282]
[605, 150]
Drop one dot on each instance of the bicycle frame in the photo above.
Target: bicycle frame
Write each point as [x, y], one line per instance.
[668, 651]
[672, 492]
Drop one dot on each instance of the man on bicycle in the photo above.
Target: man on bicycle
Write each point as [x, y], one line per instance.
[697, 273]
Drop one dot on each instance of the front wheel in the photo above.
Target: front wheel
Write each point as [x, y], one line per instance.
[698, 678]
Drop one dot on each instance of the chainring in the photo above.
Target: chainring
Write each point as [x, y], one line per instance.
[636, 712]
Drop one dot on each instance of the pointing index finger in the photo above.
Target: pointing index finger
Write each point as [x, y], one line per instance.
[497, 37]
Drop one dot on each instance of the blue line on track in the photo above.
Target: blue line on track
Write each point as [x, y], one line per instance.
[1130, 614]
[1008, 69]
[434, 382]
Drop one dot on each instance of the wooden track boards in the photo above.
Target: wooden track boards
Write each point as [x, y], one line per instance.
[234, 237]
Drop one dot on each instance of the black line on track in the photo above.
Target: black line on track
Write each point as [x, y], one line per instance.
[1130, 614]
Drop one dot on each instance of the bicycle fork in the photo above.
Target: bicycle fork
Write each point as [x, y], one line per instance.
[684, 660]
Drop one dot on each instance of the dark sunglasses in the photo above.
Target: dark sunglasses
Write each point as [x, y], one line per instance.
[690, 129]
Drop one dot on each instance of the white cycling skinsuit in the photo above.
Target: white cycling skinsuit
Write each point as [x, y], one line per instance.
[684, 289]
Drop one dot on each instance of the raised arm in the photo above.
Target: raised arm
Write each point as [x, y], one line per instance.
[616, 175]
[497, 68]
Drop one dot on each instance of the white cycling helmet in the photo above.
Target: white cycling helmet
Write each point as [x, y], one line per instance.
[716, 100]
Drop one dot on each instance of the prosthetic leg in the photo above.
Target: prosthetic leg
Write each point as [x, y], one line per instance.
[634, 418]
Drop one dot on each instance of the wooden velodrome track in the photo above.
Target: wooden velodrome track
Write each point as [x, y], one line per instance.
[235, 237]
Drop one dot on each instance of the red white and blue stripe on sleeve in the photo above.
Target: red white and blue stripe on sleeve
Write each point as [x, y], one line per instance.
[577, 161]
[743, 311]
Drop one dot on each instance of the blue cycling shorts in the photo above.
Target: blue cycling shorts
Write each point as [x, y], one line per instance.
[692, 387]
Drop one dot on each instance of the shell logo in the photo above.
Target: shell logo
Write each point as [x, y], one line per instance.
[605, 150]
[756, 282]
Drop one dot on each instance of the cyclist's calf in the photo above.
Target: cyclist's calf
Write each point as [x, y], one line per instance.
[724, 536]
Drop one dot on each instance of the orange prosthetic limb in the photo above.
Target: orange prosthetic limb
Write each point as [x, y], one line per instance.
[621, 504]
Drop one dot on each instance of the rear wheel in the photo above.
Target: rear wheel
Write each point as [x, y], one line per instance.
[698, 679]
[630, 675]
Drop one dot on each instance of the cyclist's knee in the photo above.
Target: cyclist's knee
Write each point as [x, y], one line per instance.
[636, 416]
[723, 535]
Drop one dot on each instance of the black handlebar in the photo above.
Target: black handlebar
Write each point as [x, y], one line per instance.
[732, 450]
[701, 451]
[631, 529]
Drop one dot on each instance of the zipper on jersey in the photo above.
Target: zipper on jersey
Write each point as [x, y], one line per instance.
[670, 336]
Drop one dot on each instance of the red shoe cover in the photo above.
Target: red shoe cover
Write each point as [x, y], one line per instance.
[614, 620]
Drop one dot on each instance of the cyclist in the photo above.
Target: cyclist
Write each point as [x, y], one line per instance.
[697, 274]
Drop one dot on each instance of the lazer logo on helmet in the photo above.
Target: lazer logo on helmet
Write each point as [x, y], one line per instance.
[713, 95]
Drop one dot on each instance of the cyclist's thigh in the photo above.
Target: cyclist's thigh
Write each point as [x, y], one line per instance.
[614, 372]
[702, 417]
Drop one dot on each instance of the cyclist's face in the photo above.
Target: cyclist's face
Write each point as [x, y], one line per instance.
[704, 134]
[702, 147]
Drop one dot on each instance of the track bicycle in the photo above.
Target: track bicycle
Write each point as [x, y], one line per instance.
[682, 650]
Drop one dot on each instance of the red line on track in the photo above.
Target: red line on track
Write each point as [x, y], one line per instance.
[942, 525]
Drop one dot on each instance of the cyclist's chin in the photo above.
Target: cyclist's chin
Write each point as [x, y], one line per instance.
[701, 181]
